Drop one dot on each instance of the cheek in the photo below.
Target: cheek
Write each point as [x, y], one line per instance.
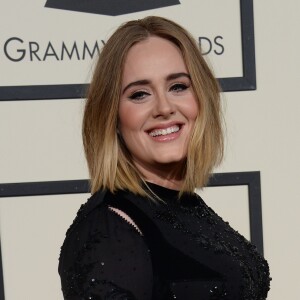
[125, 121]
[192, 110]
[131, 127]
[130, 118]
[194, 113]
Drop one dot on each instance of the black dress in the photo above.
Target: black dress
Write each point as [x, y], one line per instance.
[186, 251]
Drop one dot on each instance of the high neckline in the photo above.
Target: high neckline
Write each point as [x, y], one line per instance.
[162, 192]
[170, 196]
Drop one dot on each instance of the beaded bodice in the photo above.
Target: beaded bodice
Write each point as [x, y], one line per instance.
[186, 252]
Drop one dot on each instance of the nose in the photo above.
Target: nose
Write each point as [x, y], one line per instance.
[163, 106]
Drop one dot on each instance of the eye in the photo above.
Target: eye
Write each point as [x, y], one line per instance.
[140, 95]
[178, 87]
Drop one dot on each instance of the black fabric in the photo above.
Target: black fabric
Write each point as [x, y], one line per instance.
[186, 251]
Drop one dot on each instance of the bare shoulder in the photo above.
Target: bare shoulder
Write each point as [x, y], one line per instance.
[125, 217]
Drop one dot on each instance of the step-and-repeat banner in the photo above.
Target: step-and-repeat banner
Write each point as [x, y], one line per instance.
[47, 51]
[47, 48]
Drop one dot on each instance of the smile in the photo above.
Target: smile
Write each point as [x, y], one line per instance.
[165, 131]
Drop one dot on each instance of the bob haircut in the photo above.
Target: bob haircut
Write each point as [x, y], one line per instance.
[110, 163]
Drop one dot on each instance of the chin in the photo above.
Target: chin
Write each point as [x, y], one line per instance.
[170, 159]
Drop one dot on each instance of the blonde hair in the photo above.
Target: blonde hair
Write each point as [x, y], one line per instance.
[109, 162]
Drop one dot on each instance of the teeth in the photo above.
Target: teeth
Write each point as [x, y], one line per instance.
[164, 131]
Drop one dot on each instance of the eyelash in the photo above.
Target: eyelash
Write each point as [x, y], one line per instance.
[177, 88]
[138, 95]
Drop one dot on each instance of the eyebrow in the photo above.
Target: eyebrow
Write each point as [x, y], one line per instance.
[146, 81]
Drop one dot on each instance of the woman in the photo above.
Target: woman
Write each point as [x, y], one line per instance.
[152, 134]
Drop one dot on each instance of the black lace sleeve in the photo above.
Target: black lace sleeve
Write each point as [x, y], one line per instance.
[104, 257]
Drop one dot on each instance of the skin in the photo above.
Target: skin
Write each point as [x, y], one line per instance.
[157, 98]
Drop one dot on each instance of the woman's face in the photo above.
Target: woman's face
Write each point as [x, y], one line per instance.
[157, 109]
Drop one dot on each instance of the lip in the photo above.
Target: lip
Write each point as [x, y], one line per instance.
[168, 137]
[164, 126]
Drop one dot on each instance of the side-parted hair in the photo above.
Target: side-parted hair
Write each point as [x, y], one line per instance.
[110, 163]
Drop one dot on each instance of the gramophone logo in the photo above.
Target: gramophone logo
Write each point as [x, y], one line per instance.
[109, 7]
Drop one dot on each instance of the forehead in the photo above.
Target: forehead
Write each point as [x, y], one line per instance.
[153, 56]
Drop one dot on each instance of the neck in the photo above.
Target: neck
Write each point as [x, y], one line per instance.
[166, 175]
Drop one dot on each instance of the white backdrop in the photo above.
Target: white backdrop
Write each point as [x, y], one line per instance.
[28, 28]
[41, 140]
